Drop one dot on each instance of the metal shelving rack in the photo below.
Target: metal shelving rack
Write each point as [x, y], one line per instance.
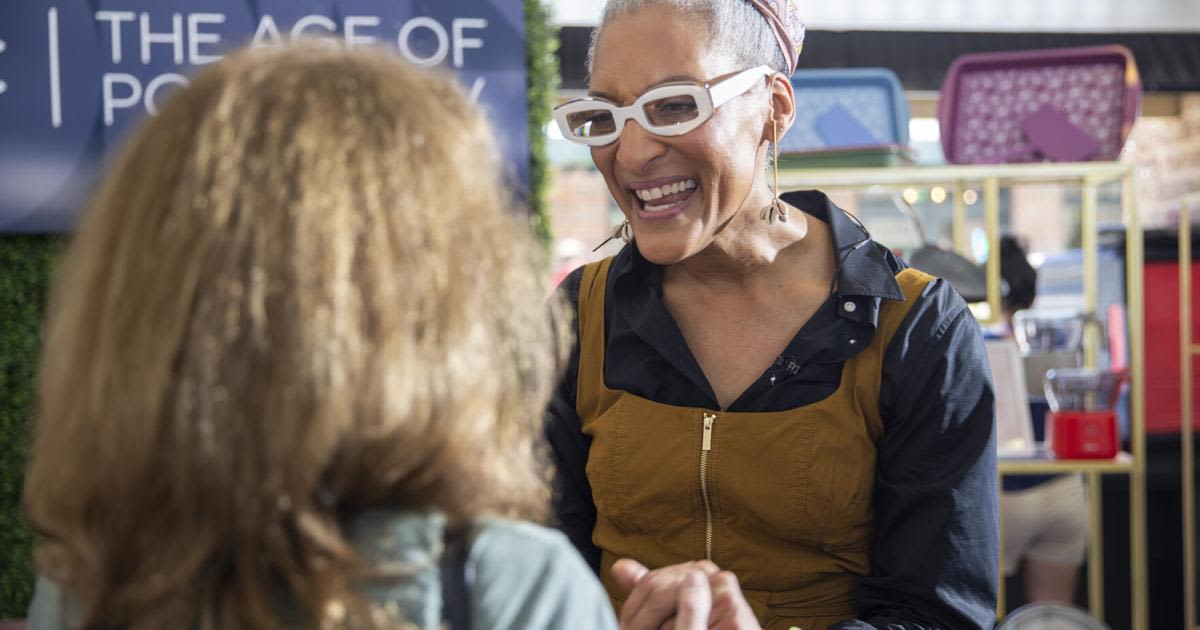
[1089, 177]
[1187, 350]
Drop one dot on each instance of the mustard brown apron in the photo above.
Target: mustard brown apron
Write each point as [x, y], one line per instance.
[782, 499]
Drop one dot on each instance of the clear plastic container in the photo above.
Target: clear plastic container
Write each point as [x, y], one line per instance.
[1043, 332]
[1082, 389]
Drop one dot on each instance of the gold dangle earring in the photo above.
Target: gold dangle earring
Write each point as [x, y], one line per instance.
[623, 231]
[777, 210]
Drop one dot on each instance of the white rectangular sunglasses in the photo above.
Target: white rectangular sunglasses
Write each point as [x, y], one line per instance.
[671, 109]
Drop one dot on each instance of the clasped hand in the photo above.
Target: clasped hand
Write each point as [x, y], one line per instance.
[687, 596]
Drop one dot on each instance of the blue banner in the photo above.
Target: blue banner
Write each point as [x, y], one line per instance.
[75, 74]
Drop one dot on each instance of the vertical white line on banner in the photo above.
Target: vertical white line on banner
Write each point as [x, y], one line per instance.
[55, 79]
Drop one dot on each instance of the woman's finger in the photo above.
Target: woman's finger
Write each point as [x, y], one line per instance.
[627, 572]
[653, 598]
[651, 602]
[693, 602]
[730, 610]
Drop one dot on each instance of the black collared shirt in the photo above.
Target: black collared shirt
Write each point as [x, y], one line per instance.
[934, 561]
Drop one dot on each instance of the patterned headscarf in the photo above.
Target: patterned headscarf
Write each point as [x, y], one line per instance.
[784, 18]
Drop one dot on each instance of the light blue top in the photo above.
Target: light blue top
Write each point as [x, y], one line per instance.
[525, 576]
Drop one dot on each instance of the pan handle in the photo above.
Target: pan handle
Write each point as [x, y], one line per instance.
[910, 213]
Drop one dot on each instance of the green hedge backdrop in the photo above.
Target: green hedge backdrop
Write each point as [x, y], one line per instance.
[24, 274]
[25, 266]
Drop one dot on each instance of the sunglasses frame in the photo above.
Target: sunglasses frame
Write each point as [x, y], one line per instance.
[708, 97]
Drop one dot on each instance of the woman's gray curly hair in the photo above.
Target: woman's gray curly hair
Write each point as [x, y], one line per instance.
[733, 25]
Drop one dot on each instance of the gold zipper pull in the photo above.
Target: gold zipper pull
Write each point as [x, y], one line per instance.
[709, 419]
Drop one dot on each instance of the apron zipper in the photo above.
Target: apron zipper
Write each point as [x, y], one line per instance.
[705, 447]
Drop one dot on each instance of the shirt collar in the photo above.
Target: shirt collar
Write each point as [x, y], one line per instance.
[864, 274]
[863, 270]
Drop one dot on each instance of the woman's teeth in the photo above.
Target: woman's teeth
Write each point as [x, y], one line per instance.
[658, 192]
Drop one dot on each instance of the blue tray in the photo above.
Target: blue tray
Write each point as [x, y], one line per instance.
[846, 108]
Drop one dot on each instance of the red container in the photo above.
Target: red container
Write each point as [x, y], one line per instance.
[1162, 345]
[1160, 286]
[1083, 434]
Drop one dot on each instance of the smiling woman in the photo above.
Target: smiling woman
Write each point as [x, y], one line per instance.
[641, 61]
[779, 403]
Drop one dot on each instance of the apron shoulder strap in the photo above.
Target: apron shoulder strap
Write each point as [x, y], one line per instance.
[869, 365]
[590, 374]
[892, 313]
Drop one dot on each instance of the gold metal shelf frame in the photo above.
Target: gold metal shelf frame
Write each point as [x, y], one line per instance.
[1089, 177]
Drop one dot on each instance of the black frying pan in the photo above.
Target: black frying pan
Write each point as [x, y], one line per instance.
[968, 278]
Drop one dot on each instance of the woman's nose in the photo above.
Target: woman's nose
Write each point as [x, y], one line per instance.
[637, 148]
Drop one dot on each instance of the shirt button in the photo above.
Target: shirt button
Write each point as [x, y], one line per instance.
[849, 307]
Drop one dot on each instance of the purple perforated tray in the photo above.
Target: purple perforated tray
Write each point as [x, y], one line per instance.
[1057, 105]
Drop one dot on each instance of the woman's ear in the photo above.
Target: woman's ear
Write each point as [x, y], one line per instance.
[783, 102]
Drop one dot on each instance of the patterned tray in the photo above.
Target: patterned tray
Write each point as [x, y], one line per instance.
[1069, 104]
[846, 108]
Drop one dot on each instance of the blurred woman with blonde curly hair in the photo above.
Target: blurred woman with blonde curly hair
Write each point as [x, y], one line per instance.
[295, 366]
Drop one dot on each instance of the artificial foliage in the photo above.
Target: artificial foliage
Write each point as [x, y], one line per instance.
[541, 42]
[25, 268]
